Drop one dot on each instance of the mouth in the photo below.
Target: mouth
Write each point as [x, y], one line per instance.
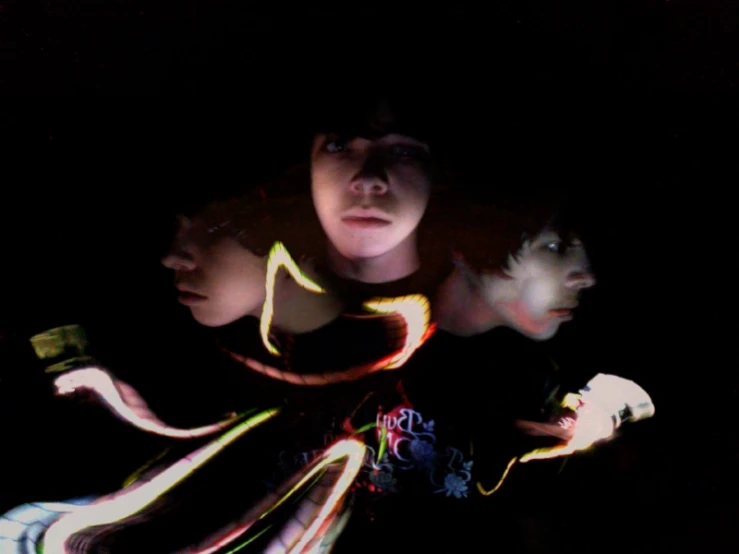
[359, 222]
[365, 218]
[189, 298]
[565, 314]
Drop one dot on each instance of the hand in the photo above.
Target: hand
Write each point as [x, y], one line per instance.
[602, 404]
[589, 425]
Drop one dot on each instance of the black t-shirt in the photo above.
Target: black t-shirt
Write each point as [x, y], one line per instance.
[450, 425]
[432, 428]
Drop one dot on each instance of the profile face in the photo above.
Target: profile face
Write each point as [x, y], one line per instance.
[218, 279]
[541, 285]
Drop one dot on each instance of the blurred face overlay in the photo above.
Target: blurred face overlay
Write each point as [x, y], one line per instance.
[540, 287]
[370, 191]
[218, 279]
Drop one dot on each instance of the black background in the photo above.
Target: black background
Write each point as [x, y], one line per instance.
[637, 97]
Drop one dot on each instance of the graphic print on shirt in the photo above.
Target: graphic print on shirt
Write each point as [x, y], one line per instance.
[412, 445]
[403, 444]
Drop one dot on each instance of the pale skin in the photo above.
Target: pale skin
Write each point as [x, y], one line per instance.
[534, 295]
[370, 196]
[220, 281]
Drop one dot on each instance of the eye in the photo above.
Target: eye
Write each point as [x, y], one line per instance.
[408, 151]
[555, 246]
[337, 145]
[217, 228]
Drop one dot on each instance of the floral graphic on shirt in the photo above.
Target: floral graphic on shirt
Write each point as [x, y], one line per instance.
[405, 443]
[454, 484]
[412, 444]
[457, 473]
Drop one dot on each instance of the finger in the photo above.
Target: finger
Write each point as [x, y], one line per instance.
[535, 429]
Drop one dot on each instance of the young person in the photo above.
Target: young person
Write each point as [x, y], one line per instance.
[533, 290]
[452, 427]
[375, 167]
[220, 257]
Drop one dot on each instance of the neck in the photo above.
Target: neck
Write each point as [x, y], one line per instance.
[400, 262]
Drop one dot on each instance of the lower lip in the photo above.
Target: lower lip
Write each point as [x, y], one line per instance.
[189, 298]
[565, 315]
[365, 222]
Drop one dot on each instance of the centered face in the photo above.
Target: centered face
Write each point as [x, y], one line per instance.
[369, 194]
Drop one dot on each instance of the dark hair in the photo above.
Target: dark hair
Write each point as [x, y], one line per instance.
[487, 226]
[281, 209]
[372, 110]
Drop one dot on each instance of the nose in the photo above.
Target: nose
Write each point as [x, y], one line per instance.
[582, 279]
[367, 187]
[179, 259]
[371, 179]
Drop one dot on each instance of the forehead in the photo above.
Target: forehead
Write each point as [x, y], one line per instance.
[373, 119]
[386, 139]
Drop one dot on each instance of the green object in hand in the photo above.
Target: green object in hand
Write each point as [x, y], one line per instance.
[62, 348]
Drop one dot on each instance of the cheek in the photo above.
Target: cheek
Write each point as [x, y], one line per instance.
[487, 291]
[233, 268]
[237, 283]
[413, 188]
[538, 295]
[238, 291]
[326, 183]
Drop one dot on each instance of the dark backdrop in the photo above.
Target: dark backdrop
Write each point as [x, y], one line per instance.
[89, 185]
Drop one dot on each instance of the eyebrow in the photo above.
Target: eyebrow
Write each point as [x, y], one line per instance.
[373, 134]
[406, 138]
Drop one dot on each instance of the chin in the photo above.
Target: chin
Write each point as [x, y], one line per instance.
[545, 335]
[359, 251]
[540, 335]
[209, 322]
[212, 320]
[365, 253]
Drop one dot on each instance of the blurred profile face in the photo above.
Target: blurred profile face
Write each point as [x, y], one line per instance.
[541, 286]
[369, 194]
[218, 279]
